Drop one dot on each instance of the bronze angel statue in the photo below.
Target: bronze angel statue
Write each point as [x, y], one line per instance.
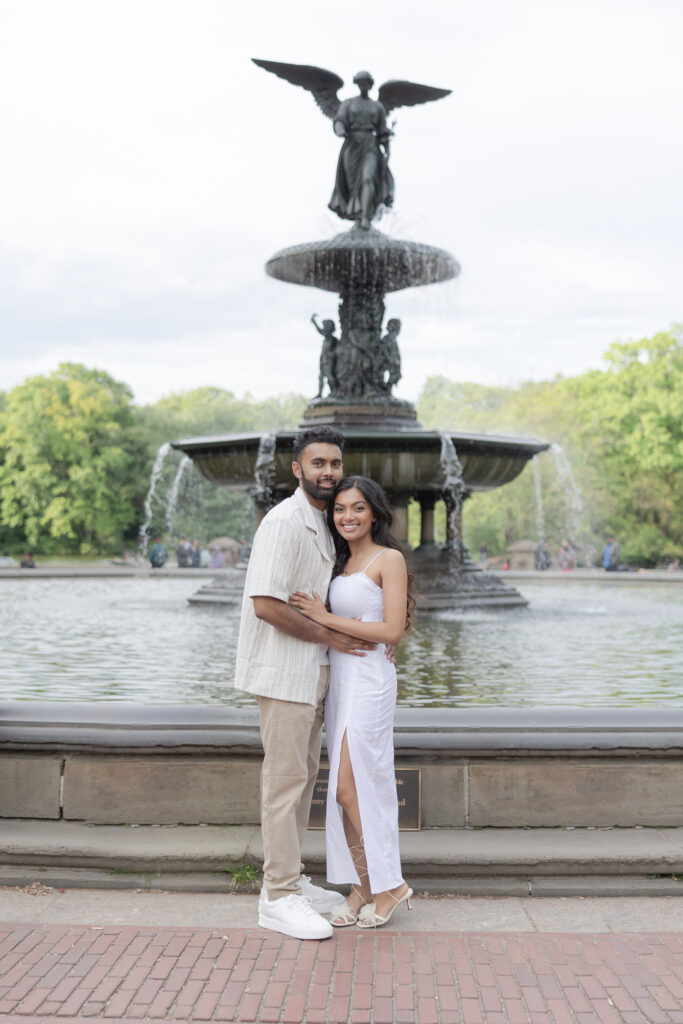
[364, 182]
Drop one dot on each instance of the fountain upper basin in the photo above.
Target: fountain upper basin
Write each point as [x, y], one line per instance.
[362, 259]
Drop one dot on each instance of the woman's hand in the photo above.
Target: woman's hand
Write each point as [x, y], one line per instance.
[310, 606]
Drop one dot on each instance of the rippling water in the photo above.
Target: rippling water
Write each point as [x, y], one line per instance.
[138, 640]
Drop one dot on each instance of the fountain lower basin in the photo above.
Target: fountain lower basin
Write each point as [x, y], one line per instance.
[407, 464]
[404, 463]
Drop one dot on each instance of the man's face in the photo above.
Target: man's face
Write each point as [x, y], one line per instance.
[319, 470]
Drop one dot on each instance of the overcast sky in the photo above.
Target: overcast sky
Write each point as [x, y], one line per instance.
[149, 170]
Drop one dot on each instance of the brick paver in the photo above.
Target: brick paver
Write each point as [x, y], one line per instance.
[80, 974]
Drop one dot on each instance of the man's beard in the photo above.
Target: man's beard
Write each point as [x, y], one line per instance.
[320, 494]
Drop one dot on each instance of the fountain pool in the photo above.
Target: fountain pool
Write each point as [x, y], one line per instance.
[137, 640]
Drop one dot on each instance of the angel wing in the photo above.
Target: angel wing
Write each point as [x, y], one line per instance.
[323, 84]
[395, 93]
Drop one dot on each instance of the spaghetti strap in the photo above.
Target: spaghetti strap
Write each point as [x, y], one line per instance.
[363, 571]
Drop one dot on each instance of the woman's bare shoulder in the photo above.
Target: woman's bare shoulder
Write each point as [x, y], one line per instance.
[391, 558]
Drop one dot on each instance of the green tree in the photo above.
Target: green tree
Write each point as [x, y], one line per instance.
[619, 427]
[66, 458]
[632, 433]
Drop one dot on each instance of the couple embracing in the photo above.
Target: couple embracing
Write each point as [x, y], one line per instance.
[326, 599]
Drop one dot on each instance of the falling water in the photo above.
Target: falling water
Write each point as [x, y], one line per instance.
[264, 472]
[572, 495]
[163, 451]
[453, 488]
[540, 516]
[172, 501]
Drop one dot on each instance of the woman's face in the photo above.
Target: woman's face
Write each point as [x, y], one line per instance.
[353, 515]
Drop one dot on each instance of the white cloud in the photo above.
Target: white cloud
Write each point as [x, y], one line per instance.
[150, 170]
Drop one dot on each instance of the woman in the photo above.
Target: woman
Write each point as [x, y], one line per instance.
[368, 599]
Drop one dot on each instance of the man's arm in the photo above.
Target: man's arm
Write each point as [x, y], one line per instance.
[288, 620]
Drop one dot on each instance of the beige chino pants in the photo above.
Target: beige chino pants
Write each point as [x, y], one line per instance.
[291, 734]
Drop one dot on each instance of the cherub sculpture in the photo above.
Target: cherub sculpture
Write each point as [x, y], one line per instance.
[328, 355]
[390, 357]
[364, 183]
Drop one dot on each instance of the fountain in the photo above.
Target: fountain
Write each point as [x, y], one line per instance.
[361, 365]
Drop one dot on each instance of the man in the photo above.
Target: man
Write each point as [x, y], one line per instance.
[282, 658]
[611, 554]
[158, 554]
[184, 552]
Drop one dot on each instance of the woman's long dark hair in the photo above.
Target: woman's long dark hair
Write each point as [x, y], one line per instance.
[381, 529]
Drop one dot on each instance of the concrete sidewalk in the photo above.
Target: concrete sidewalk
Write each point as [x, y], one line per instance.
[83, 955]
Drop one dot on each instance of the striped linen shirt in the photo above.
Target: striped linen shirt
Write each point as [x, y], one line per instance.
[292, 550]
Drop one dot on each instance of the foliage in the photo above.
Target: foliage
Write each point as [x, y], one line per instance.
[204, 510]
[619, 428]
[76, 456]
[65, 473]
[632, 429]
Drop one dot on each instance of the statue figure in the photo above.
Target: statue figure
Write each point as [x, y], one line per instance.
[364, 183]
[390, 357]
[328, 355]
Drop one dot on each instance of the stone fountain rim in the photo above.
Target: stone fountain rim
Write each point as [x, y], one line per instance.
[423, 439]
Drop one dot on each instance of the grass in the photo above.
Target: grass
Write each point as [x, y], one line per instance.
[243, 875]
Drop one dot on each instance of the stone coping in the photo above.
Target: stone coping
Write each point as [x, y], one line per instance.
[103, 571]
[160, 728]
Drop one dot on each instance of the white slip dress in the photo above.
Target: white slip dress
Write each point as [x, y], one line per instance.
[361, 701]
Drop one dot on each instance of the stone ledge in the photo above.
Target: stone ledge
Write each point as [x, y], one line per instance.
[47, 725]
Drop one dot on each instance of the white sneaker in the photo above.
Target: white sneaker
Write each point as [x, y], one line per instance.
[293, 915]
[322, 900]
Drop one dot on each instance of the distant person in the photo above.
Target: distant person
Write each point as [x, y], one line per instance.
[158, 554]
[204, 557]
[6, 560]
[542, 557]
[483, 553]
[184, 553]
[27, 561]
[673, 564]
[567, 557]
[244, 551]
[194, 555]
[611, 555]
[216, 559]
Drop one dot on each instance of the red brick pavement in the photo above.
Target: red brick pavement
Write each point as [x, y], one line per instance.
[81, 974]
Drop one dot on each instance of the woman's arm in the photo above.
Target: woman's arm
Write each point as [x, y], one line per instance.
[394, 583]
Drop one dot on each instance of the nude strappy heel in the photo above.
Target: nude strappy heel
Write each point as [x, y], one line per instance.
[369, 918]
[343, 916]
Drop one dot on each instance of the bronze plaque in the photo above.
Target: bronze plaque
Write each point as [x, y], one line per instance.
[408, 790]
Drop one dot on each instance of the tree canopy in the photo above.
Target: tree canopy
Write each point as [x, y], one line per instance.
[76, 454]
[66, 459]
[618, 428]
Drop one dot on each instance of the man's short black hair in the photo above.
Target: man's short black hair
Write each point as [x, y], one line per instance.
[316, 435]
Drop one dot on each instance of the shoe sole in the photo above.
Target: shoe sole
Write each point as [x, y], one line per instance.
[274, 925]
